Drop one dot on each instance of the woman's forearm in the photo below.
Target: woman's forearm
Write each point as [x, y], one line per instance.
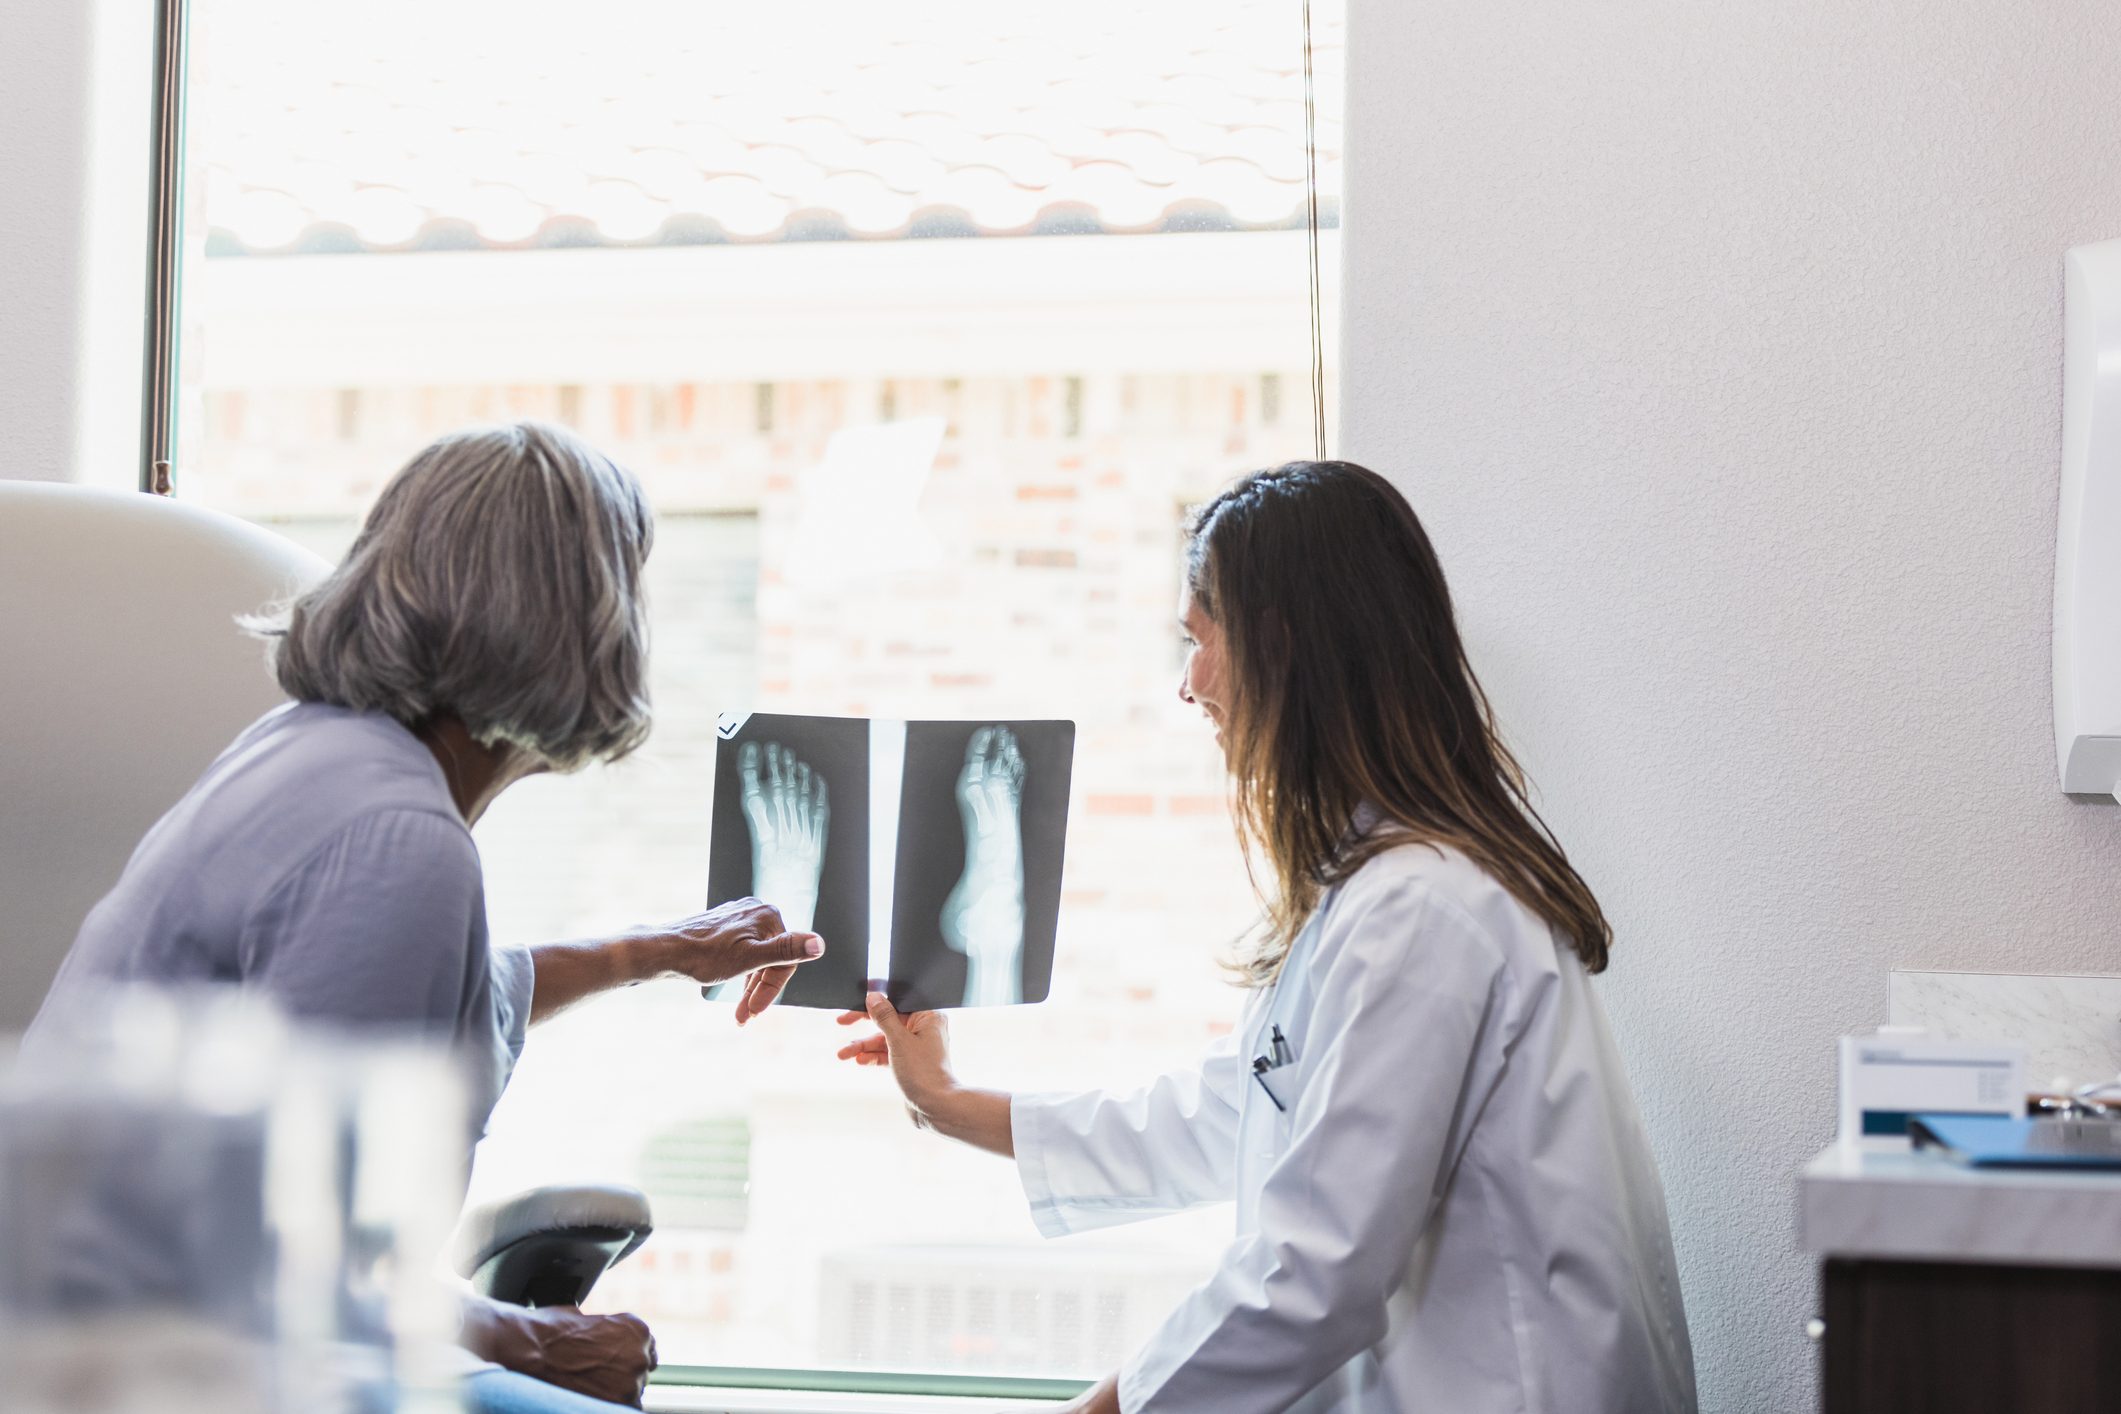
[742, 938]
[570, 972]
[976, 1117]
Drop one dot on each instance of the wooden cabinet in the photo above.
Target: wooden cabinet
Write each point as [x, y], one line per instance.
[1909, 1337]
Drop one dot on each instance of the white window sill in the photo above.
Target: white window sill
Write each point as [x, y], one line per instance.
[682, 1399]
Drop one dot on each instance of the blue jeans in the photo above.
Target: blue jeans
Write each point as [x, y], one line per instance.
[506, 1392]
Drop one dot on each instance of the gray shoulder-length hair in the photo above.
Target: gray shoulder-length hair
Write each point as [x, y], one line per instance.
[498, 579]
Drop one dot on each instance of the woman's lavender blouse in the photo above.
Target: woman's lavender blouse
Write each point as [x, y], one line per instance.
[321, 861]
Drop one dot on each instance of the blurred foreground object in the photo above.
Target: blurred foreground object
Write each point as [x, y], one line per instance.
[202, 1208]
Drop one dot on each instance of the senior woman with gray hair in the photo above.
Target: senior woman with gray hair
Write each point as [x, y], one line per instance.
[486, 625]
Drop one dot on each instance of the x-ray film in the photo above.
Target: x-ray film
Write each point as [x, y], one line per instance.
[927, 854]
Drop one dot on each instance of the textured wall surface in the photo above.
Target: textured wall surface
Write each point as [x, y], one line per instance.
[76, 82]
[45, 56]
[1719, 346]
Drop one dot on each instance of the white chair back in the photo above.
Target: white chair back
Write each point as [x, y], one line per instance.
[122, 675]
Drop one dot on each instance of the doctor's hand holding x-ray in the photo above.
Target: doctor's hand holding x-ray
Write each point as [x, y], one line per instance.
[1444, 1198]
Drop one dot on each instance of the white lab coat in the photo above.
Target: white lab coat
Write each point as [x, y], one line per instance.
[1457, 1213]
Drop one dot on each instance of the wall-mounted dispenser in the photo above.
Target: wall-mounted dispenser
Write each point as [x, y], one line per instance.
[2088, 542]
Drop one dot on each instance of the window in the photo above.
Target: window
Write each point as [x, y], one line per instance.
[734, 246]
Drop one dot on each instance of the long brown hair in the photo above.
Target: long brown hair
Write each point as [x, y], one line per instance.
[1349, 686]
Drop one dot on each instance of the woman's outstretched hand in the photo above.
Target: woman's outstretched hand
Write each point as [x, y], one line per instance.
[741, 939]
[745, 939]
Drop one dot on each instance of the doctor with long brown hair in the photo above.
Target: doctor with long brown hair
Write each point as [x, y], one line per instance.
[1444, 1196]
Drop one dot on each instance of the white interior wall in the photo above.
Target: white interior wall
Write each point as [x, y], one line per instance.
[75, 101]
[1718, 346]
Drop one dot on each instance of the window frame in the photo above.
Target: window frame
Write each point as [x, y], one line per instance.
[878, 1382]
[170, 103]
[172, 81]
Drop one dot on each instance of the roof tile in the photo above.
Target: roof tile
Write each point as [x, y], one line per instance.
[429, 126]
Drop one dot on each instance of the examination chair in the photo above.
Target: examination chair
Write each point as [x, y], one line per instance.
[122, 675]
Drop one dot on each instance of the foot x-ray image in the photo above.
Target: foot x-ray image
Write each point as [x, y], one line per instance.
[790, 826]
[983, 823]
[984, 916]
[928, 854]
[788, 812]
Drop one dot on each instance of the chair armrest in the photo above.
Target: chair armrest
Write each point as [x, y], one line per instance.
[548, 1246]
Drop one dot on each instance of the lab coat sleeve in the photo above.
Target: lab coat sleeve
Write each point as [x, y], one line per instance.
[1096, 1159]
[1405, 985]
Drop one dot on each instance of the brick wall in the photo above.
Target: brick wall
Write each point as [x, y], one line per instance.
[1032, 572]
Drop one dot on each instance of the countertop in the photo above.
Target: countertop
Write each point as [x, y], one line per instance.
[1923, 1207]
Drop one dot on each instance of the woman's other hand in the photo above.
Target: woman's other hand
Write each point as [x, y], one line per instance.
[743, 938]
[916, 1047]
[603, 1357]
